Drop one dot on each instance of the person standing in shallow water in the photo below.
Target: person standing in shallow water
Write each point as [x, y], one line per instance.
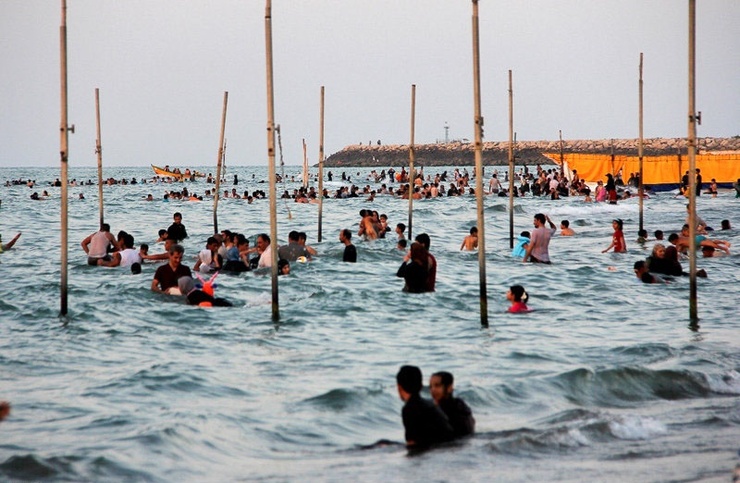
[518, 298]
[618, 243]
[414, 269]
[539, 243]
[425, 424]
[350, 252]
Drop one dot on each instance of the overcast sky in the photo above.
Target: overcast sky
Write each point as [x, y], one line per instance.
[162, 68]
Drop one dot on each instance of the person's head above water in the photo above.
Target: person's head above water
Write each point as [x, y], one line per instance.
[408, 380]
[441, 385]
[518, 294]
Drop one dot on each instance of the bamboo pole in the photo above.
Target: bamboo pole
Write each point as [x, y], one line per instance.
[478, 147]
[271, 158]
[321, 163]
[304, 174]
[219, 162]
[562, 156]
[511, 162]
[412, 175]
[693, 315]
[640, 188]
[64, 130]
[99, 152]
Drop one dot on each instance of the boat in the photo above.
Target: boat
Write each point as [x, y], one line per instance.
[660, 173]
[178, 176]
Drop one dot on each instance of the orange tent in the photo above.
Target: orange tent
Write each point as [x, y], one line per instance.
[659, 172]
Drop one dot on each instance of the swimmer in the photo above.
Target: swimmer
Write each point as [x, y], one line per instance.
[521, 245]
[642, 273]
[425, 424]
[470, 242]
[518, 298]
[4, 410]
[283, 267]
[565, 229]
[202, 297]
[642, 236]
[166, 277]
[9, 245]
[441, 385]
[350, 251]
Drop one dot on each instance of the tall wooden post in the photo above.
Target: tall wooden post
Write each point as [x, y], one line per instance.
[511, 162]
[64, 130]
[640, 189]
[219, 162]
[412, 175]
[304, 174]
[693, 118]
[478, 147]
[99, 152]
[562, 156]
[271, 158]
[321, 163]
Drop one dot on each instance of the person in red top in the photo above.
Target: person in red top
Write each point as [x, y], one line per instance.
[617, 238]
[518, 298]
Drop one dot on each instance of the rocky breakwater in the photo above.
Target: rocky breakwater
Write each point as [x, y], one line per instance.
[525, 152]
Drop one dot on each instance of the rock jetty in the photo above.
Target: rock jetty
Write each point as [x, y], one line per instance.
[526, 152]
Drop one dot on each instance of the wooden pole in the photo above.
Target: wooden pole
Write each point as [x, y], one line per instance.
[304, 174]
[64, 130]
[640, 188]
[478, 147]
[412, 175]
[271, 158]
[693, 315]
[219, 162]
[99, 152]
[511, 162]
[562, 156]
[321, 163]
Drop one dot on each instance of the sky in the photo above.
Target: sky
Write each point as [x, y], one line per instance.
[162, 68]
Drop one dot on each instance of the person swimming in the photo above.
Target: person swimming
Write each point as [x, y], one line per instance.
[518, 298]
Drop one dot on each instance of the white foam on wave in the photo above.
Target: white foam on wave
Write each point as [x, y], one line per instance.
[635, 427]
[728, 383]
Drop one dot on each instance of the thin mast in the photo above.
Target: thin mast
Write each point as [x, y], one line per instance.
[321, 163]
[412, 175]
[219, 162]
[64, 130]
[639, 153]
[511, 162]
[693, 118]
[99, 152]
[479, 169]
[271, 158]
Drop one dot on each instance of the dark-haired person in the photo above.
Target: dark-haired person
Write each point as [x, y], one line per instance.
[618, 243]
[414, 269]
[539, 243]
[642, 273]
[424, 239]
[176, 230]
[441, 386]
[425, 424]
[126, 257]
[265, 251]
[293, 250]
[96, 245]
[166, 276]
[350, 251]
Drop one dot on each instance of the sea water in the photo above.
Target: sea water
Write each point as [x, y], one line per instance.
[605, 380]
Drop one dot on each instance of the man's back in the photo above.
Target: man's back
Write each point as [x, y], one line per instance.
[425, 423]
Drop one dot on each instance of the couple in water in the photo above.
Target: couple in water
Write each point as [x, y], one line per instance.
[432, 422]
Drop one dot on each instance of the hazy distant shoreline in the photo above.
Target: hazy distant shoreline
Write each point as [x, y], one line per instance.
[459, 153]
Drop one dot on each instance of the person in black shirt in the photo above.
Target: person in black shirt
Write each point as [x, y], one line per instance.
[441, 385]
[177, 231]
[425, 423]
[350, 252]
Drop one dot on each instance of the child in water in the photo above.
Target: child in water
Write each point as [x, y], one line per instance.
[518, 298]
[617, 238]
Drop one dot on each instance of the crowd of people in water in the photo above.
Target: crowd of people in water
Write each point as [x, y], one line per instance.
[426, 422]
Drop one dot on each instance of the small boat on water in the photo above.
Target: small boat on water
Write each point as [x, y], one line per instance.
[187, 174]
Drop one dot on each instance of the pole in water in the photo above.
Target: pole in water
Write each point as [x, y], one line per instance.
[321, 163]
[64, 130]
[99, 152]
[271, 158]
[640, 188]
[219, 162]
[412, 175]
[511, 162]
[478, 147]
[693, 118]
